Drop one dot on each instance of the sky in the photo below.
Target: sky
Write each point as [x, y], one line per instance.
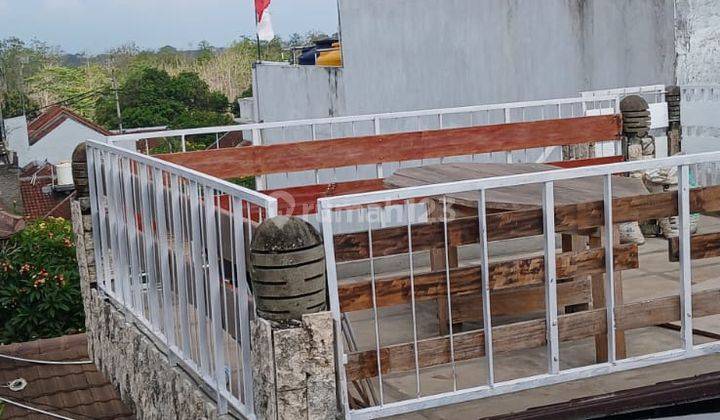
[95, 26]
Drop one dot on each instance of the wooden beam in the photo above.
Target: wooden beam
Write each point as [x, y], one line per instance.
[521, 223]
[519, 301]
[336, 153]
[297, 201]
[526, 335]
[357, 295]
[701, 247]
[577, 163]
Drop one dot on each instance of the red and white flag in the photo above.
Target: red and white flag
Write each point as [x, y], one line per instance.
[264, 23]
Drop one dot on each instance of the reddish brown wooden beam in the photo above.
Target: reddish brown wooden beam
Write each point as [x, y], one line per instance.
[336, 153]
[303, 200]
[357, 295]
[517, 224]
[526, 335]
[577, 163]
[701, 247]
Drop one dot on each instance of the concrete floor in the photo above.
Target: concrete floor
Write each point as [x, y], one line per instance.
[655, 278]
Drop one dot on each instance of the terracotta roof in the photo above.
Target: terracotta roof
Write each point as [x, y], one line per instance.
[76, 391]
[52, 118]
[34, 178]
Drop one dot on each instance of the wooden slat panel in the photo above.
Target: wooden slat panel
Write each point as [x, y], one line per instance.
[521, 223]
[701, 247]
[357, 295]
[300, 156]
[526, 335]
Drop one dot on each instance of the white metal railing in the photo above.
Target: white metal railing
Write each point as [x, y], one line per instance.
[333, 208]
[589, 103]
[170, 251]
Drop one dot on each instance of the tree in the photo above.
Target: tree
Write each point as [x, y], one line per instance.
[18, 62]
[39, 283]
[152, 97]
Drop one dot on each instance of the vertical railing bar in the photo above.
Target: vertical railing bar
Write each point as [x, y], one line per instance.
[100, 170]
[610, 268]
[198, 265]
[487, 313]
[128, 185]
[164, 260]
[93, 165]
[326, 225]
[139, 242]
[449, 293]
[149, 245]
[551, 319]
[685, 257]
[192, 289]
[214, 280]
[239, 238]
[118, 267]
[179, 243]
[242, 297]
[375, 308]
[410, 217]
[209, 340]
[234, 274]
[223, 286]
[122, 231]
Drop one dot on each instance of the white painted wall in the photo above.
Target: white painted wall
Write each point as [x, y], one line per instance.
[698, 41]
[55, 147]
[404, 55]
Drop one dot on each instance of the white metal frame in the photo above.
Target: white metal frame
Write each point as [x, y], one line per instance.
[554, 374]
[167, 252]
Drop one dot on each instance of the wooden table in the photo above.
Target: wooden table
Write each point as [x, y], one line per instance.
[576, 191]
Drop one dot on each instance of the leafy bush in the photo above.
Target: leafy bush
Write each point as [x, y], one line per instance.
[39, 283]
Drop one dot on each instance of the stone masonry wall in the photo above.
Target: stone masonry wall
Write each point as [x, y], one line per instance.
[149, 383]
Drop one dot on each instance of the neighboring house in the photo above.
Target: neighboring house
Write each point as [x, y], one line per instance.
[77, 391]
[51, 137]
[39, 198]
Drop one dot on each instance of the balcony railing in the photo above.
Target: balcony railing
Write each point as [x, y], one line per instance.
[170, 249]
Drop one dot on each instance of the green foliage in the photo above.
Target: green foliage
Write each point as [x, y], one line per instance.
[18, 62]
[39, 283]
[152, 97]
[56, 83]
[247, 182]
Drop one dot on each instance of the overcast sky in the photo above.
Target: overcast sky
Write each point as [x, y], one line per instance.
[97, 25]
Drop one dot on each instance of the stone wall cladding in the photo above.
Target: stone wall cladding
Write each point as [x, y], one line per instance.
[148, 382]
[294, 369]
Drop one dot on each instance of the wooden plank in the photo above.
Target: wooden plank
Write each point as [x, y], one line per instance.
[577, 163]
[336, 153]
[521, 223]
[357, 295]
[701, 247]
[526, 335]
[297, 201]
[519, 301]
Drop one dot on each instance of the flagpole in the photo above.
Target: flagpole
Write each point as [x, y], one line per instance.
[257, 35]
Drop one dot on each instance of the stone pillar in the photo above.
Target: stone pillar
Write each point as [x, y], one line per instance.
[638, 144]
[294, 368]
[293, 354]
[674, 132]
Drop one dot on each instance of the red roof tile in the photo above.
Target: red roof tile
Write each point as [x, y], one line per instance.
[52, 118]
[75, 391]
[37, 196]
